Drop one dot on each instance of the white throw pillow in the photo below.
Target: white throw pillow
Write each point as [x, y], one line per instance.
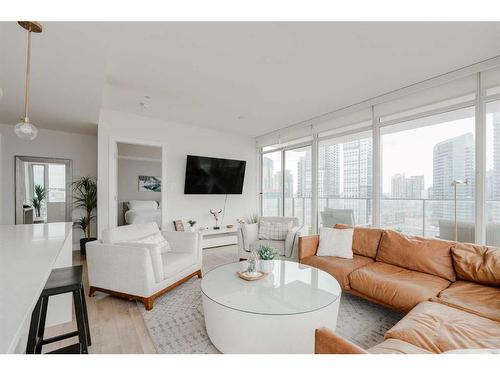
[142, 205]
[335, 242]
[155, 239]
[276, 231]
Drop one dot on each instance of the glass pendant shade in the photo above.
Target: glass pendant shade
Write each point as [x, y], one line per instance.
[26, 131]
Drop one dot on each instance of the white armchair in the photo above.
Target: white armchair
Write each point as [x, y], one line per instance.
[118, 266]
[248, 238]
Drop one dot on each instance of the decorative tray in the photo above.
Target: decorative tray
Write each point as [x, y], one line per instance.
[247, 277]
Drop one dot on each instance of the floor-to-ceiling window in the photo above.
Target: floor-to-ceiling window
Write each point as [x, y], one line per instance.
[408, 163]
[428, 175]
[345, 180]
[287, 183]
[272, 184]
[297, 186]
[492, 191]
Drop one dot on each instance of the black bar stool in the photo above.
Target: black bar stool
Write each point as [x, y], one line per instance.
[61, 280]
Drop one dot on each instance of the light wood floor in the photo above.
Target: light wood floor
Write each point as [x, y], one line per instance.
[116, 325]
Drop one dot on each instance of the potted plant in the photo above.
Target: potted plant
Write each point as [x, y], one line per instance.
[267, 253]
[39, 195]
[191, 225]
[85, 198]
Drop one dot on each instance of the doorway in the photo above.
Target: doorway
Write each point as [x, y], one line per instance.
[137, 190]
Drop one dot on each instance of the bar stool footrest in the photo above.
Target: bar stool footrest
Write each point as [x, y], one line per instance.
[70, 349]
[64, 336]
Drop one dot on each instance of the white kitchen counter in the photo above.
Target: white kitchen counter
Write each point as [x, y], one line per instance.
[28, 253]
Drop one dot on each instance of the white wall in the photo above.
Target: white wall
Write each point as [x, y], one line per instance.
[82, 149]
[180, 140]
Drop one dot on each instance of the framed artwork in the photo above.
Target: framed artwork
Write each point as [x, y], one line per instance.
[150, 184]
[178, 225]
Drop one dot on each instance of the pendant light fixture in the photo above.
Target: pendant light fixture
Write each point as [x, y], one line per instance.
[26, 130]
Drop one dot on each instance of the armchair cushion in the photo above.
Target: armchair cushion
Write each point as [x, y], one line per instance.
[174, 263]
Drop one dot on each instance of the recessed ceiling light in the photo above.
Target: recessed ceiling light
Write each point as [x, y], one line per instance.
[147, 97]
[240, 117]
[143, 105]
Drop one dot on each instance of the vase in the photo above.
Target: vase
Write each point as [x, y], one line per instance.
[267, 266]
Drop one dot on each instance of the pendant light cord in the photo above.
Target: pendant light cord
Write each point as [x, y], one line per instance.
[27, 84]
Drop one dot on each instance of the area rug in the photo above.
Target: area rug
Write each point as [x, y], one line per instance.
[176, 323]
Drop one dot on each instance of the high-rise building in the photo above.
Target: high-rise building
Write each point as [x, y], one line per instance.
[357, 179]
[328, 171]
[398, 186]
[453, 159]
[496, 156]
[304, 175]
[403, 187]
[267, 174]
[358, 168]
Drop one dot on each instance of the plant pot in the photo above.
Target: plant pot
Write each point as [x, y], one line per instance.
[267, 266]
[83, 243]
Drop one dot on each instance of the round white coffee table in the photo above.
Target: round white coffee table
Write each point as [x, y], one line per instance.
[276, 314]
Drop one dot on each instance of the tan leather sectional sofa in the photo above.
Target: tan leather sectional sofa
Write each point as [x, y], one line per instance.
[450, 291]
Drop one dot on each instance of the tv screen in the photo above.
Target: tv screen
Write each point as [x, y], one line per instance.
[214, 176]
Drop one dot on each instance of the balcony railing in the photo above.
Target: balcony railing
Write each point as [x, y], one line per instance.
[424, 217]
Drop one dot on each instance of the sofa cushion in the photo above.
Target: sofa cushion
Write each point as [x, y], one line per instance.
[173, 263]
[439, 328]
[365, 241]
[129, 233]
[340, 268]
[278, 245]
[393, 346]
[480, 264]
[474, 298]
[429, 255]
[394, 286]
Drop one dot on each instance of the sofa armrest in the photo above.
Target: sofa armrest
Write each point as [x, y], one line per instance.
[185, 242]
[308, 245]
[154, 253]
[327, 342]
[291, 241]
[123, 269]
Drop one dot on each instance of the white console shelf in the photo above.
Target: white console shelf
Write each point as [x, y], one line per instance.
[219, 237]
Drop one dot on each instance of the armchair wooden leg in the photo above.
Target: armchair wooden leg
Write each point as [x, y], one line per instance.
[92, 291]
[148, 303]
[199, 274]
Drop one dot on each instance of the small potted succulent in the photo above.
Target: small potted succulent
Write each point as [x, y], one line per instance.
[191, 225]
[267, 253]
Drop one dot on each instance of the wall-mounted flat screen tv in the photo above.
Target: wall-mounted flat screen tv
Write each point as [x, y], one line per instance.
[206, 175]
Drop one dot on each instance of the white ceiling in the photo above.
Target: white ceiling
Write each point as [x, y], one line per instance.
[249, 78]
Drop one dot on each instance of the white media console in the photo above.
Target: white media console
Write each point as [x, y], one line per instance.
[219, 237]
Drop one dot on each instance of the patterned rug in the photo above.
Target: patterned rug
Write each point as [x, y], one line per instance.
[176, 323]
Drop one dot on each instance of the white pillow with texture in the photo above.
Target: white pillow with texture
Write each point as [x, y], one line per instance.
[335, 242]
[155, 239]
[142, 205]
[276, 231]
